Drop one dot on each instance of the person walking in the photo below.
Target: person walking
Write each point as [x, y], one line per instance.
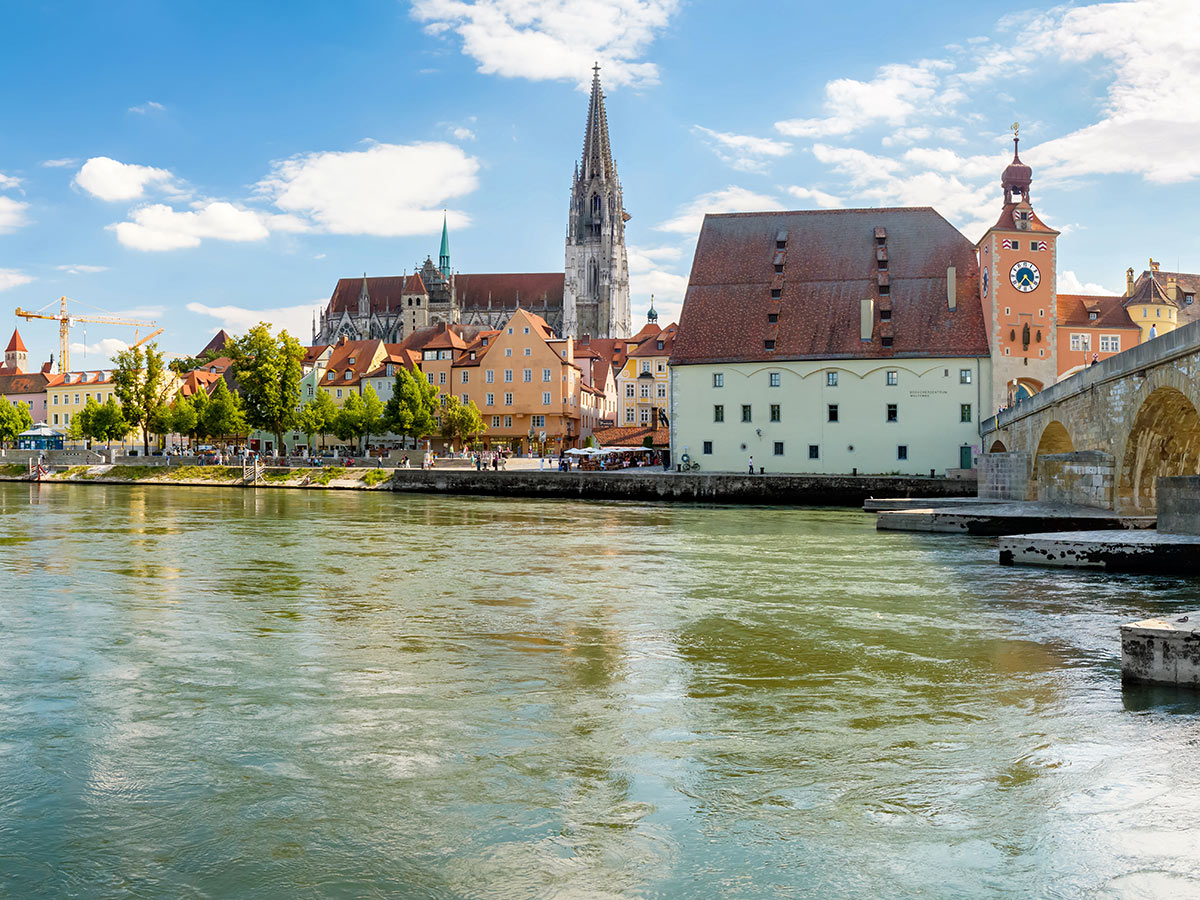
[751, 465]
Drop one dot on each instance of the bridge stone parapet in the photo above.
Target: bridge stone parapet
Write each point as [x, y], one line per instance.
[1139, 407]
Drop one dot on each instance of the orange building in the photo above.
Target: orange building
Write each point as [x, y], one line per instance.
[1092, 328]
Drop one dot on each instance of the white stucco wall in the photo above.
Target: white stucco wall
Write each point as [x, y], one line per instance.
[928, 395]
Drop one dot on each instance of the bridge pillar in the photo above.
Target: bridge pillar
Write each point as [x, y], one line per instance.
[1004, 476]
[1179, 504]
[1082, 478]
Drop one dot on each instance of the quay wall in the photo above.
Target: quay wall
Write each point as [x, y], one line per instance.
[1081, 478]
[816, 490]
[800, 490]
[1179, 504]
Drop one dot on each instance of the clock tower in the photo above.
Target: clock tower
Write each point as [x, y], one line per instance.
[1018, 287]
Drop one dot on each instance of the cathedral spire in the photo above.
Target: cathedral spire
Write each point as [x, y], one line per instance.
[444, 253]
[597, 154]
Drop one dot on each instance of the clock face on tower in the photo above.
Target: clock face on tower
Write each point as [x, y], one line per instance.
[1024, 276]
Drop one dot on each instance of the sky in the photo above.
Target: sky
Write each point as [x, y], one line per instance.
[212, 165]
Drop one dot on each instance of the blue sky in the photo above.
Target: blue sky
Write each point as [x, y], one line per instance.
[208, 165]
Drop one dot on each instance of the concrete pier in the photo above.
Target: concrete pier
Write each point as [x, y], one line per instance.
[994, 519]
[1162, 651]
[1147, 551]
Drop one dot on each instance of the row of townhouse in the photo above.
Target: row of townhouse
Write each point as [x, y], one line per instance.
[533, 388]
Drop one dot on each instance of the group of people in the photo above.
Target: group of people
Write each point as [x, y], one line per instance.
[493, 458]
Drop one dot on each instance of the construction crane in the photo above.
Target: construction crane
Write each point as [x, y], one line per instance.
[152, 334]
[66, 320]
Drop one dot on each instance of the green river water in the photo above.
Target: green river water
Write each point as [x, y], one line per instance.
[210, 693]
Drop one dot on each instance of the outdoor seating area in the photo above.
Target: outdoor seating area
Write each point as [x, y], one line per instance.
[592, 459]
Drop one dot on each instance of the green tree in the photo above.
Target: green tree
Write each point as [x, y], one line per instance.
[223, 414]
[324, 413]
[83, 423]
[413, 407]
[267, 371]
[10, 421]
[461, 422]
[141, 385]
[161, 421]
[108, 423]
[200, 401]
[349, 422]
[184, 417]
[372, 414]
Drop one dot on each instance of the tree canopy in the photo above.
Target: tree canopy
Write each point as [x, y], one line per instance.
[461, 422]
[317, 416]
[223, 415]
[413, 407]
[139, 378]
[267, 371]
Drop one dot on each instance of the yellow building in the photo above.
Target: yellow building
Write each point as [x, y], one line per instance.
[68, 393]
[644, 382]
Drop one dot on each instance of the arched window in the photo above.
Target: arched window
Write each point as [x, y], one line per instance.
[593, 279]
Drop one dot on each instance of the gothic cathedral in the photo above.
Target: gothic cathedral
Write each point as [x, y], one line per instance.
[596, 288]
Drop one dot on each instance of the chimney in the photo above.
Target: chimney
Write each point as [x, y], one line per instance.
[1129, 282]
[951, 287]
[1172, 289]
[653, 418]
[1153, 266]
[867, 319]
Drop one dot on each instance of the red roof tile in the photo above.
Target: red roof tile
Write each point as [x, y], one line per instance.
[632, 436]
[507, 290]
[830, 268]
[15, 343]
[649, 346]
[1075, 310]
[385, 293]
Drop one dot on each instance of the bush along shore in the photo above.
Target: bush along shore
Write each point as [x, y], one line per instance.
[802, 490]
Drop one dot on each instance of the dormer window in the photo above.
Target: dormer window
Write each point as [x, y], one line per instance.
[660, 345]
[352, 360]
[1092, 314]
[1189, 299]
[485, 340]
[332, 375]
[349, 374]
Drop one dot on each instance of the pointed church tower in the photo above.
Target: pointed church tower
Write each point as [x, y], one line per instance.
[596, 287]
[444, 254]
[364, 299]
[16, 357]
[1018, 288]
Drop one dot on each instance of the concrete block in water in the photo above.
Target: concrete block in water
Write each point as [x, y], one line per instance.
[1162, 651]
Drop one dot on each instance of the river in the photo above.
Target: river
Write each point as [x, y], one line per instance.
[210, 693]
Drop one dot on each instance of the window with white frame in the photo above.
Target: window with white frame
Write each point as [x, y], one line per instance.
[527, 375]
[508, 421]
[495, 421]
[508, 351]
[538, 421]
[645, 416]
[508, 376]
[628, 391]
[628, 415]
[529, 351]
[645, 365]
[545, 398]
[662, 390]
[490, 400]
[490, 376]
[546, 375]
[1081, 342]
[645, 390]
[508, 400]
[1110, 343]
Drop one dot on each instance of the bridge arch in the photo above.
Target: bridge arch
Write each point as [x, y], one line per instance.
[1055, 439]
[997, 447]
[1164, 440]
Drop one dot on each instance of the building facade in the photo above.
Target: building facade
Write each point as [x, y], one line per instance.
[830, 341]
[644, 382]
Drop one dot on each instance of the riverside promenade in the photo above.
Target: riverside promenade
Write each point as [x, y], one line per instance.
[640, 484]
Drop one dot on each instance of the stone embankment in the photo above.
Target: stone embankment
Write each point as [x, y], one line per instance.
[652, 485]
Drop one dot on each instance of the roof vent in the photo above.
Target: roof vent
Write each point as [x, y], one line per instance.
[880, 234]
[951, 287]
[866, 324]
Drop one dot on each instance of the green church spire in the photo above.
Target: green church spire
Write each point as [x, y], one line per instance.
[444, 256]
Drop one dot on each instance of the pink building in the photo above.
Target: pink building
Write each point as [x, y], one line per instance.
[20, 386]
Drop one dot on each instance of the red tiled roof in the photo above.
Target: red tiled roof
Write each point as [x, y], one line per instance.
[649, 347]
[632, 436]
[313, 353]
[829, 269]
[1006, 222]
[220, 340]
[362, 352]
[507, 290]
[22, 382]
[397, 356]
[1075, 310]
[420, 338]
[386, 293]
[199, 380]
[15, 343]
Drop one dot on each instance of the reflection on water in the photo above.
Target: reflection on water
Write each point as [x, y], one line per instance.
[209, 693]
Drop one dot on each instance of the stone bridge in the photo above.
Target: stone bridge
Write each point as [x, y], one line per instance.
[1103, 436]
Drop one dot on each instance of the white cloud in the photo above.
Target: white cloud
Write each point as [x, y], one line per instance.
[388, 189]
[109, 179]
[895, 94]
[649, 274]
[553, 39]
[688, 218]
[463, 133]
[1069, 283]
[81, 269]
[743, 152]
[8, 181]
[11, 278]
[12, 214]
[160, 227]
[148, 107]
[822, 199]
[96, 356]
[297, 320]
[58, 163]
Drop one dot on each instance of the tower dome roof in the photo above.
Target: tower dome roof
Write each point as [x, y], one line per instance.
[1017, 176]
